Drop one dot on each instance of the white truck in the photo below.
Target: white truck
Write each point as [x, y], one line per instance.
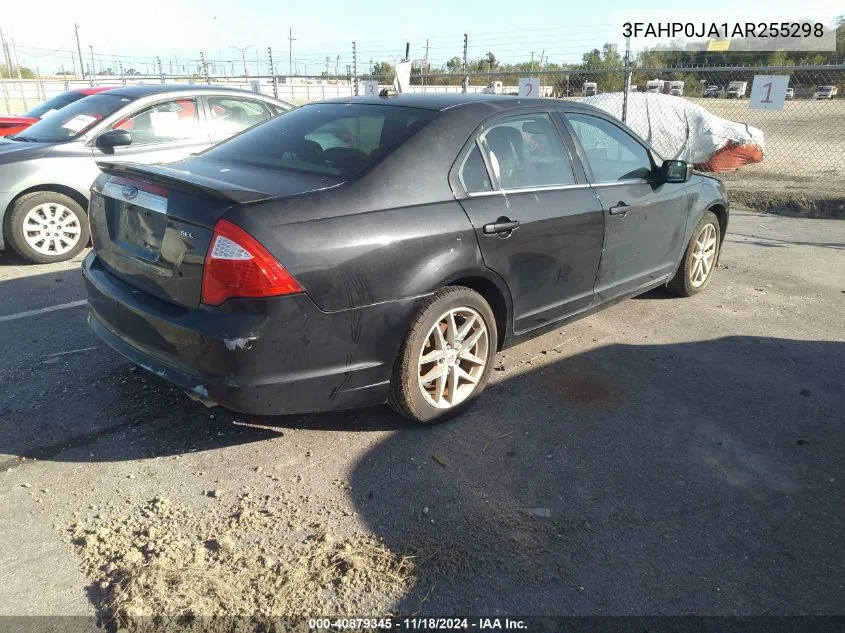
[654, 85]
[589, 89]
[676, 88]
[495, 88]
[826, 92]
[737, 89]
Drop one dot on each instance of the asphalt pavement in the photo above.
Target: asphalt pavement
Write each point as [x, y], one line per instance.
[664, 456]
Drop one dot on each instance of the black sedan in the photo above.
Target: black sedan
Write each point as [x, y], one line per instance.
[379, 249]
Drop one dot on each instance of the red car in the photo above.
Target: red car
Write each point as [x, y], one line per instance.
[13, 124]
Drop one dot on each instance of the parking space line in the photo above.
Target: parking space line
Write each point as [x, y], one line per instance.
[29, 313]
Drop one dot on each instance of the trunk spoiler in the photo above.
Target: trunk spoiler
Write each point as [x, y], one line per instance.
[185, 180]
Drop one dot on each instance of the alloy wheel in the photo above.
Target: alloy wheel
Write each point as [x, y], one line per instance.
[453, 358]
[703, 255]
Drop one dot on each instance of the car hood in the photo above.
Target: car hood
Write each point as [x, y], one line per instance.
[14, 151]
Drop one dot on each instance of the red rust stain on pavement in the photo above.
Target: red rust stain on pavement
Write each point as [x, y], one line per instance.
[585, 390]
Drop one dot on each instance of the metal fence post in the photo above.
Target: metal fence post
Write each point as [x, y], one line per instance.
[626, 81]
[6, 97]
[466, 69]
[355, 69]
[273, 73]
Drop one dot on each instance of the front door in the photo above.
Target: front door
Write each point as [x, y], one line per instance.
[538, 228]
[645, 220]
[161, 133]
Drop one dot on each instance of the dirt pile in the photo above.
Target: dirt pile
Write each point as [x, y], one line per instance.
[232, 566]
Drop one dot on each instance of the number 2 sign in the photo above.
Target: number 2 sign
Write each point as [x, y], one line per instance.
[529, 87]
[768, 92]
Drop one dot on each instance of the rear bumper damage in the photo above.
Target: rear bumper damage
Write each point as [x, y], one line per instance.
[271, 356]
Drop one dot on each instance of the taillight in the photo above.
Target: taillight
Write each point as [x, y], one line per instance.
[236, 265]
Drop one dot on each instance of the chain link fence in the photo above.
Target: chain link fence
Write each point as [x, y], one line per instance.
[800, 166]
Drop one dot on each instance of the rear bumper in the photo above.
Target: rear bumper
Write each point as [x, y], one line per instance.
[271, 356]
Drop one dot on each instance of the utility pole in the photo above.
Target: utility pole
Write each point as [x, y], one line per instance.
[327, 65]
[466, 69]
[291, 38]
[93, 70]
[79, 50]
[160, 71]
[176, 64]
[257, 64]
[355, 66]
[17, 63]
[122, 76]
[532, 61]
[6, 57]
[336, 64]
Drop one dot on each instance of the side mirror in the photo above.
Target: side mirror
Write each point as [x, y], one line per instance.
[114, 138]
[676, 171]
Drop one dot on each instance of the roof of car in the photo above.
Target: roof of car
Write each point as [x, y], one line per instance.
[445, 100]
[439, 100]
[92, 90]
[136, 92]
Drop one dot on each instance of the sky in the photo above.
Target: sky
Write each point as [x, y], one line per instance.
[179, 29]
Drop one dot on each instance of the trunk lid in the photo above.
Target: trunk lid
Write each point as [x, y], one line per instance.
[153, 225]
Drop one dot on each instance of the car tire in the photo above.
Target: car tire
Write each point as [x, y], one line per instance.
[46, 227]
[700, 258]
[452, 334]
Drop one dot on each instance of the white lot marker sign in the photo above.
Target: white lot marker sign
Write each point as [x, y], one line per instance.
[370, 88]
[529, 86]
[768, 92]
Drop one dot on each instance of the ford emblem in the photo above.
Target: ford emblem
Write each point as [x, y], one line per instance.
[130, 191]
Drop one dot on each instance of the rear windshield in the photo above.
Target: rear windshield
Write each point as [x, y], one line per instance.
[73, 120]
[328, 138]
[56, 103]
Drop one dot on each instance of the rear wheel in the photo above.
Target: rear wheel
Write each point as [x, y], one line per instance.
[46, 227]
[446, 358]
[700, 258]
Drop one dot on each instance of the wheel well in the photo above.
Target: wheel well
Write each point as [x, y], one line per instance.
[71, 193]
[493, 296]
[721, 213]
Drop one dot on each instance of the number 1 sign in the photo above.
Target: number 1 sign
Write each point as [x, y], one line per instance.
[529, 87]
[768, 92]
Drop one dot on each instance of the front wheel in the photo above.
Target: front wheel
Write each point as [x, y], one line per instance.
[446, 358]
[46, 227]
[700, 258]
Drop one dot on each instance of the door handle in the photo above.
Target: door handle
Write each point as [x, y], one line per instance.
[501, 226]
[619, 209]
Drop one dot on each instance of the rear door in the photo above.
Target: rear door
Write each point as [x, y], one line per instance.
[228, 115]
[645, 220]
[538, 223]
[163, 132]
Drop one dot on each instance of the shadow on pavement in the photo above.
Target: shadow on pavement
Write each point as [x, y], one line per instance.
[702, 477]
